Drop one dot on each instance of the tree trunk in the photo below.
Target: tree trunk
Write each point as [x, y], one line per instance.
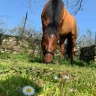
[0, 41]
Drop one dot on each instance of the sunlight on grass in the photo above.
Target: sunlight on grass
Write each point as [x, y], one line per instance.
[19, 72]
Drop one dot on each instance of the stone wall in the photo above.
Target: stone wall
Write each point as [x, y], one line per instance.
[32, 46]
[17, 45]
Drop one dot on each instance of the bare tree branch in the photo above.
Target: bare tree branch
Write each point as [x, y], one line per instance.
[73, 5]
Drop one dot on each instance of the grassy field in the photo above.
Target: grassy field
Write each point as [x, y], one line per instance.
[17, 71]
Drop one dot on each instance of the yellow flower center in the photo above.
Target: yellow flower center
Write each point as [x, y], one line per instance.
[28, 90]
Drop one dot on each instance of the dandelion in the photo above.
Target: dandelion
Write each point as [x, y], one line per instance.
[65, 77]
[28, 90]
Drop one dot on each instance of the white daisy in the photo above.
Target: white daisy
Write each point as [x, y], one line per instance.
[56, 77]
[65, 77]
[71, 90]
[28, 90]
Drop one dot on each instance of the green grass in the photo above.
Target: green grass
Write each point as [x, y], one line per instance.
[17, 71]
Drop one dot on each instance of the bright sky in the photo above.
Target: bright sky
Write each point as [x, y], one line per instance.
[12, 12]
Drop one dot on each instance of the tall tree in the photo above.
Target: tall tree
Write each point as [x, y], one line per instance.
[2, 30]
[86, 39]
